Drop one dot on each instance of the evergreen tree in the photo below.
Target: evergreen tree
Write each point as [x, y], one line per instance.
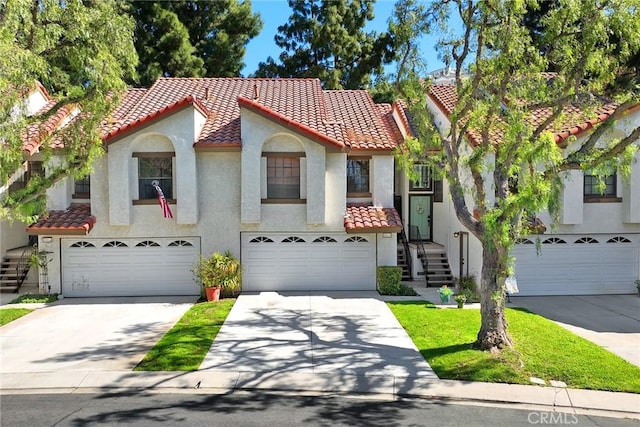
[325, 39]
[192, 38]
[162, 43]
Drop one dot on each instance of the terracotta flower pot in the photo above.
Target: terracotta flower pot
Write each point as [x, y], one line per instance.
[213, 294]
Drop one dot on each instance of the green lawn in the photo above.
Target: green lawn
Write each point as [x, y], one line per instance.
[34, 298]
[541, 349]
[10, 314]
[184, 347]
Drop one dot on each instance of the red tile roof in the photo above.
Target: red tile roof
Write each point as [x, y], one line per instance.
[573, 122]
[313, 134]
[155, 115]
[75, 220]
[371, 219]
[400, 108]
[349, 118]
[37, 131]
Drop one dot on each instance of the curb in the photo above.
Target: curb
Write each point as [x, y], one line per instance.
[219, 382]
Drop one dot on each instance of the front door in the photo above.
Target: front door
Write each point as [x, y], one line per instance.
[420, 217]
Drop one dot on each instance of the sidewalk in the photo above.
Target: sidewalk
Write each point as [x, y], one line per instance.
[603, 403]
[341, 382]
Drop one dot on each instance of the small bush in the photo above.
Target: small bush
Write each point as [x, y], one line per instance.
[220, 269]
[389, 282]
[34, 298]
[467, 286]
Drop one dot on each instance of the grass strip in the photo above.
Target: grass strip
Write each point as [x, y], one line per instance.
[10, 314]
[541, 348]
[34, 299]
[184, 347]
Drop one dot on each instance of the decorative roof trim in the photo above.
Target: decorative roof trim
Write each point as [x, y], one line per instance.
[44, 90]
[76, 220]
[47, 128]
[369, 151]
[153, 117]
[313, 134]
[217, 147]
[559, 137]
[589, 124]
[362, 218]
[400, 108]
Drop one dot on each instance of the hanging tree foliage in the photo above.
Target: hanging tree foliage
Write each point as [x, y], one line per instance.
[80, 51]
[497, 159]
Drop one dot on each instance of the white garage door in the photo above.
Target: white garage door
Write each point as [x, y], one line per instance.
[302, 261]
[129, 267]
[578, 265]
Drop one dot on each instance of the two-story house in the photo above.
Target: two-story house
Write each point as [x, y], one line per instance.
[295, 180]
[595, 247]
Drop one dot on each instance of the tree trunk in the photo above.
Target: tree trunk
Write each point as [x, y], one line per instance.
[493, 330]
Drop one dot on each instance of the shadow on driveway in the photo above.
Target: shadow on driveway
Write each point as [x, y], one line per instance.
[598, 313]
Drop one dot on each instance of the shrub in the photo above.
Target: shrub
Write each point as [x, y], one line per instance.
[389, 282]
[467, 286]
[221, 270]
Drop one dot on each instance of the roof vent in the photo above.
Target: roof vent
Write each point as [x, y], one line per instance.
[255, 91]
[206, 93]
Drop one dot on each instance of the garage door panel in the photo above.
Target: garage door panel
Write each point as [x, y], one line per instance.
[318, 263]
[144, 267]
[575, 268]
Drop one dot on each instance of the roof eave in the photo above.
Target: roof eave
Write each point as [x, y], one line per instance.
[276, 117]
[369, 230]
[154, 117]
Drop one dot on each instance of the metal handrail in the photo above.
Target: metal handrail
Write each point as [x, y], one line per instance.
[422, 254]
[23, 265]
[405, 244]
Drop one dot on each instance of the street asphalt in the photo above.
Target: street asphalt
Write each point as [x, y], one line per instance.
[345, 343]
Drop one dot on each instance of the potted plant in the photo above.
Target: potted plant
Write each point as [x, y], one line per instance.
[460, 299]
[220, 275]
[445, 292]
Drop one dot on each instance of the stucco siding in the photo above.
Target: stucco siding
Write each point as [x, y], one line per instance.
[382, 169]
[172, 134]
[387, 252]
[336, 190]
[261, 135]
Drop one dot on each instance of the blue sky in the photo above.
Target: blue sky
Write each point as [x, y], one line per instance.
[276, 12]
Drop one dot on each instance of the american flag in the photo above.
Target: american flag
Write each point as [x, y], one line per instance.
[166, 211]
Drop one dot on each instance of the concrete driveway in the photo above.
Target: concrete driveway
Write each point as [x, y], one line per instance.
[350, 333]
[611, 321]
[88, 334]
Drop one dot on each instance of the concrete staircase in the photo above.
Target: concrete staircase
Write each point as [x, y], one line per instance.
[435, 263]
[403, 262]
[14, 268]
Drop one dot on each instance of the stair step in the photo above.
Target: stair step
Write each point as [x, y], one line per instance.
[438, 283]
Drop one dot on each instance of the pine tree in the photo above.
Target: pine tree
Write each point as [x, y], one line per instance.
[192, 38]
[325, 39]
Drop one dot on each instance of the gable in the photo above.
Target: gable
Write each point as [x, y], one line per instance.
[574, 121]
[337, 119]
